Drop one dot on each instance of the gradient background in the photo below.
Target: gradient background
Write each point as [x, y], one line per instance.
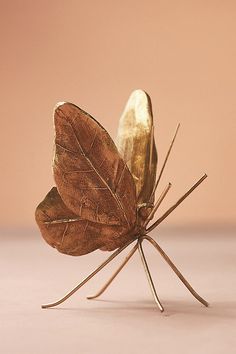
[94, 53]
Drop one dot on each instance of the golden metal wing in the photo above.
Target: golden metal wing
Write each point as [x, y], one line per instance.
[136, 144]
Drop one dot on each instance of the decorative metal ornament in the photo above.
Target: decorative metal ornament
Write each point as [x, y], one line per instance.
[105, 194]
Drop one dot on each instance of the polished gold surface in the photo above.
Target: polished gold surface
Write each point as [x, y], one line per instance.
[136, 144]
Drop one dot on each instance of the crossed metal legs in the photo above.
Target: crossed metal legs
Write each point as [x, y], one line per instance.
[137, 246]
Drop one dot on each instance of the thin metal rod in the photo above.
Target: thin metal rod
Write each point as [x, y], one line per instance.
[151, 148]
[127, 258]
[158, 203]
[165, 161]
[169, 211]
[108, 260]
[148, 274]
[175, 269]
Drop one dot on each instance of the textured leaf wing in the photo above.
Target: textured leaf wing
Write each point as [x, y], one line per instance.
[69, 234]
[92, 178]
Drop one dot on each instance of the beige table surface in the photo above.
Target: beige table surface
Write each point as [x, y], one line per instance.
[125, 319]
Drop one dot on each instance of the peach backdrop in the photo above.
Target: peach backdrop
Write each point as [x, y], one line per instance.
[94, 53]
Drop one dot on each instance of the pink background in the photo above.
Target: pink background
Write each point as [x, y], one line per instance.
[94, 54]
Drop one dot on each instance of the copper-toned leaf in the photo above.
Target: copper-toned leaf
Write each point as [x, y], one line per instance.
[70, 234]
[91, 177]
[135, 142]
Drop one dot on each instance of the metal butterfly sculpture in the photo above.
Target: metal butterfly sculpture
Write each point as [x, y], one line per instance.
[105, 194]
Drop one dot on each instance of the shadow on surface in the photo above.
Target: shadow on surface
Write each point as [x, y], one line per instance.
[220, 310]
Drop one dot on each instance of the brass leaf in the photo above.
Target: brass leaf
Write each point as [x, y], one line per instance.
[72, 235]
[94, 204]
[135, 142]
[92, 179]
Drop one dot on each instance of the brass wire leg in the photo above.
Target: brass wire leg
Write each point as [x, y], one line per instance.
[138, 246]
[144, 261]
[127, 258]
[148, 274]
[146, 268]
[165, 161]
[91, 275]
[175, 269]
[173, 207]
